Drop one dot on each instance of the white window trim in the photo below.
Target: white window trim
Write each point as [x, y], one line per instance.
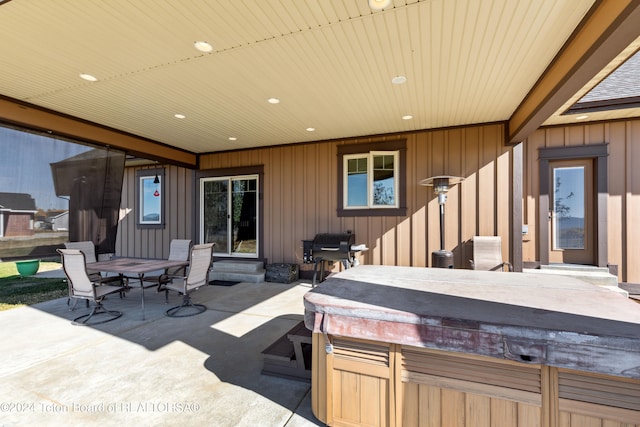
[370, 155]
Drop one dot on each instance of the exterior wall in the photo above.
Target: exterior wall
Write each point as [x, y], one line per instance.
[300, 196]
[179, 215]
[61, 222]
[18, 224]
[623, 195]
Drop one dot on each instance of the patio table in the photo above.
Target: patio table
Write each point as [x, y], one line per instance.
[135, 266]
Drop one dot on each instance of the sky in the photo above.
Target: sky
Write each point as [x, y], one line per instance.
[25, 165]
[571, 189]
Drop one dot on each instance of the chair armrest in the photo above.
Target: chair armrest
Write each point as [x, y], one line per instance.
[165, 279]
[103, 280]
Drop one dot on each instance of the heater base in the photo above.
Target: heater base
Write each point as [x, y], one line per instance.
[442, 259]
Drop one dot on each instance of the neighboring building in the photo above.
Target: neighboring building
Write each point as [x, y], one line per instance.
[17, 213]
[59, 220]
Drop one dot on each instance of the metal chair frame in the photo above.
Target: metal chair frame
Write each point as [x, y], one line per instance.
[487, 254]
[89, 250]
[197, 276]
[82, 287]
[179, 250]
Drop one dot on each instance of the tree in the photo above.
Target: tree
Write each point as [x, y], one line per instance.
[561, 209]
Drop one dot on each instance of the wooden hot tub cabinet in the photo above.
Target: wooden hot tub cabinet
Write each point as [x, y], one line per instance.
[406, 346]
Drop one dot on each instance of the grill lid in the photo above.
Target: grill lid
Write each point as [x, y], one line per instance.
[341, 242]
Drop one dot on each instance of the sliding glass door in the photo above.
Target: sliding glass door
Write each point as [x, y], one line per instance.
[229, 215]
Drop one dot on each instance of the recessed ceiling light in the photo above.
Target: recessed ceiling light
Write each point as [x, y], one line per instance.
[398, 80]
[584, 116]
[88, 77]
[233, 138]
[310, 129]
[407, 117]
[179, 116]
[273, 101]
[203, 46]
[379, 4]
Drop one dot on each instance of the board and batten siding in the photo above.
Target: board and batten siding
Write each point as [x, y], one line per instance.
[623, 188]
[179, 214]
[300, 195]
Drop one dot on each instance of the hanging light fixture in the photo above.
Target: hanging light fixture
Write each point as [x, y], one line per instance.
[379, 4]
[441, 185]
[156, 181]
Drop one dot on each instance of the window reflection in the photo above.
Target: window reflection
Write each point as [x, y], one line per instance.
[569, 202]
[53, 191]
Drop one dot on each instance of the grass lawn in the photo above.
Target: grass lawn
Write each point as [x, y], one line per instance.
[16, 291]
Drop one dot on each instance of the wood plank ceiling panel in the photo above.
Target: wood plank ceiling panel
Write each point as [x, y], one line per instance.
[330, 62]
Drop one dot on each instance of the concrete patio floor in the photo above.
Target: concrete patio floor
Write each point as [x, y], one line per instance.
[197, 371]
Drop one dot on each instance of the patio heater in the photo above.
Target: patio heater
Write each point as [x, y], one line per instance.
[441, 185]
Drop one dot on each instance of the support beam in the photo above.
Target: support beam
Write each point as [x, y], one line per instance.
[605, 32]
[32, 117]
[517, 179]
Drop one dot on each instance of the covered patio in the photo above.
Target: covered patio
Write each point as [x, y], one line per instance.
[202, 370]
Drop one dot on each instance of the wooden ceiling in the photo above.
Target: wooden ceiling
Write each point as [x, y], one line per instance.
[330, 62]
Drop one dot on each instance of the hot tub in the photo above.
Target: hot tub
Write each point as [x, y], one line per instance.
[395, 345]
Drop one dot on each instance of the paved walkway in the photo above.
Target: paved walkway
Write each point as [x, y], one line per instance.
[197, 371]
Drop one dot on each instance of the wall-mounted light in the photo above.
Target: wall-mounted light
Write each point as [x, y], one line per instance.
[441, 185]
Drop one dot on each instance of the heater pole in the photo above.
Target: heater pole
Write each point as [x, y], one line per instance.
[442, 226]
[441, 185]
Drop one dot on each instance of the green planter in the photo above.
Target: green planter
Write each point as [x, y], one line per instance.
[28, 267]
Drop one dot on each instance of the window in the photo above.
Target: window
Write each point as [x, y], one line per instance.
[150, 191]
[371, 179]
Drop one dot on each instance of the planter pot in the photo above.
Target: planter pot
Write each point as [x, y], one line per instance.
[28, 267]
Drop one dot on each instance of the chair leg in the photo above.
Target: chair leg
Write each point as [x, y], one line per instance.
[75, 301]
[190, 308]
[98, 309]
[163, 280]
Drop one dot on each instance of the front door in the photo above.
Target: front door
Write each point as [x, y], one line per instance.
[572, 230]
[229, 215]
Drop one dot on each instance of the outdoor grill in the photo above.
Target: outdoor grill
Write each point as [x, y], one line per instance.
[330, 247]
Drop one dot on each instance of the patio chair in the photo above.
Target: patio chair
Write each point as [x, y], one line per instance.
[487, 254]
[179, 250]
[82, 287]
[89, 250]
[197, 276]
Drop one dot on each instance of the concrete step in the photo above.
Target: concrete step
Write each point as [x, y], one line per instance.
[238, 271]
[238, 265]
[234, 276]
[575, 267]
[599, 276]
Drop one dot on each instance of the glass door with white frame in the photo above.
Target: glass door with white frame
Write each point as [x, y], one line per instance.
[229, 215]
